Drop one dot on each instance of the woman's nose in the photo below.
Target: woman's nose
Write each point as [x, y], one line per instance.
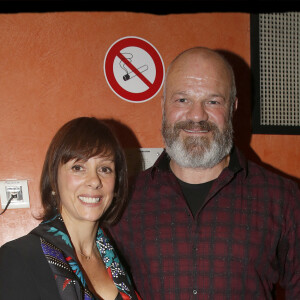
[94, 180]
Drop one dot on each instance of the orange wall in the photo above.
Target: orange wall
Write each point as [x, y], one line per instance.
[51, 70]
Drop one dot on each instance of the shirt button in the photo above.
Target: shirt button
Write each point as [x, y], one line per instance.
[195, 292]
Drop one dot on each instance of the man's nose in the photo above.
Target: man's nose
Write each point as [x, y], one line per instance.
[197, 112]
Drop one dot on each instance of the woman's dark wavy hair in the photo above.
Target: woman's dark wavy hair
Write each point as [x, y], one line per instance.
[83, 138]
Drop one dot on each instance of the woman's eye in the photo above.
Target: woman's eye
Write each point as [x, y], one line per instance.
[77, 168]
[105, 170]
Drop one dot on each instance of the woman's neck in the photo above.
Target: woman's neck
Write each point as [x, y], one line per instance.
[82, 234]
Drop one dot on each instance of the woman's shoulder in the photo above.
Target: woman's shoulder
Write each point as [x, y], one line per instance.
[29, 242]
[26, 248]
[21, 253]
[23, 261]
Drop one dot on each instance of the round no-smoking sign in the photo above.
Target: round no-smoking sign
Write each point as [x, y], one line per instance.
[134, 69]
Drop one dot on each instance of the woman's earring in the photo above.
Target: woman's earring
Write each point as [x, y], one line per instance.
[53, 193]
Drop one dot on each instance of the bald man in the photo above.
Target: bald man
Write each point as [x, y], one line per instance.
[203, 222]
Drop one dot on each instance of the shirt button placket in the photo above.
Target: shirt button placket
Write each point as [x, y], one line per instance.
[195, 256]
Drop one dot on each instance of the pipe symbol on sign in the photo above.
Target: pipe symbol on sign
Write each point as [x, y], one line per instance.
[130, 75]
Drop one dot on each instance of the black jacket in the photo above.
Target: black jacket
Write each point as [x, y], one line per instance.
[24, 271]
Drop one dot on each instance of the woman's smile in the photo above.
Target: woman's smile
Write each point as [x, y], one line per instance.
[89, 199]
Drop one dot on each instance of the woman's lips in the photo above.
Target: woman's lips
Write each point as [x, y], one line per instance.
[89, 199]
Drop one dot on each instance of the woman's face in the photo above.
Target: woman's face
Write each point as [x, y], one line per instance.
[86, 188]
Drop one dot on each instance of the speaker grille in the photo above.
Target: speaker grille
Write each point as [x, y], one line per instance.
[279, 69]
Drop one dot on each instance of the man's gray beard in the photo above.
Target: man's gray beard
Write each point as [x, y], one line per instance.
[198, 152]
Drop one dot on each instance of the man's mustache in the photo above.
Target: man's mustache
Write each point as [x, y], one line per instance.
[190, 125]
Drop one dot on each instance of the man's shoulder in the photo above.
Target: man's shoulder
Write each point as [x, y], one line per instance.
[141, 180]
[144, 174]
[261, 173]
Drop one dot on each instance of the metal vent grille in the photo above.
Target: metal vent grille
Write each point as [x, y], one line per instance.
[279, 71]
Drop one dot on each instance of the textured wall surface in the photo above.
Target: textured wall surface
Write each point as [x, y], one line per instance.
[51, 70]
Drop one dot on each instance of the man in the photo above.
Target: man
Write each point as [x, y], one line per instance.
[204, 223]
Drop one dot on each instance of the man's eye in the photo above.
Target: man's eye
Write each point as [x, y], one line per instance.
[213, 102]
[181, 100]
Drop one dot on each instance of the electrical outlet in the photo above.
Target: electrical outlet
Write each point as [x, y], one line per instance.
[16, 188]
[150, 155]
[139, 159]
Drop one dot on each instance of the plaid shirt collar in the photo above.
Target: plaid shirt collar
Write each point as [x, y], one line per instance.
[237, 163]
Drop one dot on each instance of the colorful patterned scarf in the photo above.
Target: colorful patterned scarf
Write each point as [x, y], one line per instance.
[58, 250]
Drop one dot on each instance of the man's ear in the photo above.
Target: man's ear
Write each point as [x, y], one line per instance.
[235, 104]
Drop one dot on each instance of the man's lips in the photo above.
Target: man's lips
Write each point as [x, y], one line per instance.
[196, 130]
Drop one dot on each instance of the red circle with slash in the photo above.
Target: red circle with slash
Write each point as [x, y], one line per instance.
[115, 52]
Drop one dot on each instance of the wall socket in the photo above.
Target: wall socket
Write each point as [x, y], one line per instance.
[18, 188]
[139, 159]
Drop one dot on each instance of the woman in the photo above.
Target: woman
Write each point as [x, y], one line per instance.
[68, 256]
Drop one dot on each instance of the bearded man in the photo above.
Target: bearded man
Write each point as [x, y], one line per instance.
[203, 222]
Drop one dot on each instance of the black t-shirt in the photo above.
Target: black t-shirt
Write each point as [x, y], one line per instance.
[195, 194]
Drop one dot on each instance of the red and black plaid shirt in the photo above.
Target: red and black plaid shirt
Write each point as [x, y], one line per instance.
[243, 241]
